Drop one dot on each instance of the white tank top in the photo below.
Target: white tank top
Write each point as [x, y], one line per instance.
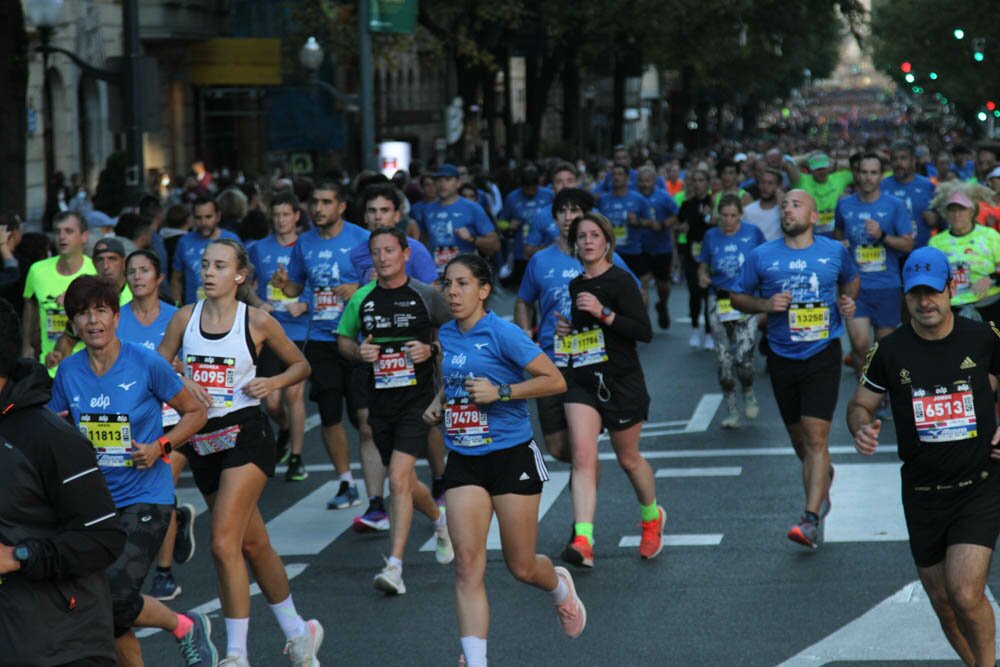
[221, 366]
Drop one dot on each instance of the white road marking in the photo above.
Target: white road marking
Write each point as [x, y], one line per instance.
[550, 492]
[867, 505]
[293, 570]
[734, 471]
[901, 627]
[700, 420]
[307, 527]
[692, 540]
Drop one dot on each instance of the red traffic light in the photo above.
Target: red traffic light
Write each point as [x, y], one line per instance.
[991, 105]
[906, 67]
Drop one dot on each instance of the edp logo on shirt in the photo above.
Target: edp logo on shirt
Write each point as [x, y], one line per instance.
[101, 401]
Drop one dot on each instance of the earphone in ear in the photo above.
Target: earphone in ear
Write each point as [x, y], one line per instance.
[239, 278]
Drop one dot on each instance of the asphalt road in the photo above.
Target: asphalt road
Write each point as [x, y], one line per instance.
[729, 588]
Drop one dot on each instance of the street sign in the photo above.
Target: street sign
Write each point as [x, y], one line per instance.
[393, 16]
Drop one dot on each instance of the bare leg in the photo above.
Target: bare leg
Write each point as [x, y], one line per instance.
[626, 446]
[966, 567]
[518, 519]
[468, 525]
[932, 579]
[335, 440]
[371, 460]
[295, 409]
[584, 429]
[166, 556]
[407, 491]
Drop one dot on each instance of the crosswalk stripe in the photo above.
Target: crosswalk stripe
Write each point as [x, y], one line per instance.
[307, 527]
[734, 471]
[550, 492]
[692, 540]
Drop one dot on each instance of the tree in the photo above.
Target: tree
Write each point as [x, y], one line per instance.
[13, 105]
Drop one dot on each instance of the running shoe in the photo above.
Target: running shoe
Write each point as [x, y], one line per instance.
[281, 443]
[184, 543]
[375, 520]
[302, 650]
[824, 507]
[751, 408]
[652, 536]
[579, 552]
[347, 496]
[443, 551]
[164, 586]
[196, 646]
[695, 340]
[805, 532]
[662, 316]
[572, 613]
[709, 343]
[390, 580]
[732, 420]
[296, 469]
[234, 661]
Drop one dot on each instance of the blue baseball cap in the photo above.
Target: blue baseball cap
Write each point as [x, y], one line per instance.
[446, 171]
[926, 266]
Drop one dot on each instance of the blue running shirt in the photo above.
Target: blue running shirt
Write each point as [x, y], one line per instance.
[877, 263]
[725, 254]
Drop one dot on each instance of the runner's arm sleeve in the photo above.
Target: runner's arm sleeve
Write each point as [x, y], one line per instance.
[516, 346]
[29, 282]
[58, 403]
[903, 222]
[838, 218]
[631, 319]
[164, 383]
[528, 292]
[704, 256]
[350, 323]
[848, 271]
[178, 263]
[747, 282]
[422, 263]
[296, 266]
[482, 225]
[90, 535]
[873, 375]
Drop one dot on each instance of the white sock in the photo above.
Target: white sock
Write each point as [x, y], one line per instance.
[474, 649]
[441, 521]
[560, 592]
[288, 618]
[393, 561]
[347, 477]
[236, 636]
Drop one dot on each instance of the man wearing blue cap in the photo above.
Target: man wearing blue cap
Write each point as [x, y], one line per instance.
[938, 371]
[454, 224]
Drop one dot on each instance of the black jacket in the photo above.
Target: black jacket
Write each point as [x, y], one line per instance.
[53, 498]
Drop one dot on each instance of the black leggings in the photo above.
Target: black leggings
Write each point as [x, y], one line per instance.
[697, 295]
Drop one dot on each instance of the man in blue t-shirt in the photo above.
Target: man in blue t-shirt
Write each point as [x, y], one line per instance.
[657, 241]
[454, 224]
[805, 283]
[320, 263]
[879, 232]
[520, 209]
[627, 210]
[544, 229]
[185, 283]
[912, 189]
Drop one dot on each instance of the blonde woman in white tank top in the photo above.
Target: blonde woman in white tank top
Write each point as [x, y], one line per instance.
[233, 455]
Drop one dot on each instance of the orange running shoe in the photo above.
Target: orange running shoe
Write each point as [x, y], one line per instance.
[572, 613]
[579, 552]
[652, 535]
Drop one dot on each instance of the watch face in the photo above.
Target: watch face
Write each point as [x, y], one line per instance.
[606, 311]
[21, 553]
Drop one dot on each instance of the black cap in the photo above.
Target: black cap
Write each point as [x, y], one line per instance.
[108, 244]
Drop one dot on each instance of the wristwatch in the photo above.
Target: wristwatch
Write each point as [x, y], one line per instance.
[504, 392]
[605, 313]
[22, 554]
[165, 446]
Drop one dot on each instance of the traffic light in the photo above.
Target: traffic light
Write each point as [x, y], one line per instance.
[991, 105]
[910, 78]
[906, 67]
[979, 49]
[932, 76]
[959, 33]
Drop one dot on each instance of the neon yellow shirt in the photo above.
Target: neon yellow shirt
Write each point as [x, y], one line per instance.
[46, 285]
[972, 256]
[826, 196]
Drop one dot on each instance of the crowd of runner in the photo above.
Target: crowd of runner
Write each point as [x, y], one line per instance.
[176, 335]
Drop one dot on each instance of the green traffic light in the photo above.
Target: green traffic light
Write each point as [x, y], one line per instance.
[933, 76]
[959, 33]
[978, 56]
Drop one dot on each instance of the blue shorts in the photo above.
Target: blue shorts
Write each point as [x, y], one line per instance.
[881, 306]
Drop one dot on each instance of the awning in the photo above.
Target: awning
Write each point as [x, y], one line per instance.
[236, 61]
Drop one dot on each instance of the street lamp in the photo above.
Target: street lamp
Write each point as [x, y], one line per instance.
[311, 55]
[44, 14]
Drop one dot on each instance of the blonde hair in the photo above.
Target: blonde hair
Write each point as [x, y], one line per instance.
[242, 264]
[605, 226]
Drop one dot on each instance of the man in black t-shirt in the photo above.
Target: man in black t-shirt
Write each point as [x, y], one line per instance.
[940, 373]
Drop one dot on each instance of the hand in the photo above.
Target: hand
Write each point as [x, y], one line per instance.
[198, 391]
[266, 307]
[53, 358]
[432, 415]
[296, 308]
[633, 219]
[563, 326]
[145, 456]
[847, 306]
[8, 563]
[368, 351]
[345, 291]
[259, 387]
[704, 281]
[778, 303]
[4, 235]
[482, 391]
[930, 217]
[418, 352]
[866, 438]
[280, 277]
[872, 229]
[464, 234]
[588, 303]
[994, 441]
[981, 287]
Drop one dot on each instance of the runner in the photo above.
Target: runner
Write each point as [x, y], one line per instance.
[939, 373]
[914, 190]
[797, 279]
[544, 229]
[185, 282]
[233, 454]
[729, 184]
[488, 432]
[114, 392]
[456, 225]
[627, 210]
[606, 386]
[765, 213]
[694, 219]
[321, 265]
[521, 208]
[286, 407]
[826, 187]
[657, 241]
[878, 231]
[44, 318]
[723, 253]
[398, 318]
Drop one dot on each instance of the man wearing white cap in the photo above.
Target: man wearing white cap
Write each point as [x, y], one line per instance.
[937, 373]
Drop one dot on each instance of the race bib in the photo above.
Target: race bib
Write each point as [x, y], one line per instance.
[960, 278]
[278, 298]
[588, 347]
[826, 223]
[394, 369]
[216, 374]
[327, 304]
[443, 255]
[216, 441]
[55, 323]
[696, 249]
[621, 233]
[808, 322]
[944, 417]
[170, 416]
[724, 309]
[870, 258]
[111, 437]
[466, 424]
[562, 350]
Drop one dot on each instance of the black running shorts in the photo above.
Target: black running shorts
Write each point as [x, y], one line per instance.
[519, 469]
[145, 525]
[622, 401]
[254, 444]
[806, 387]
[404, 432]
